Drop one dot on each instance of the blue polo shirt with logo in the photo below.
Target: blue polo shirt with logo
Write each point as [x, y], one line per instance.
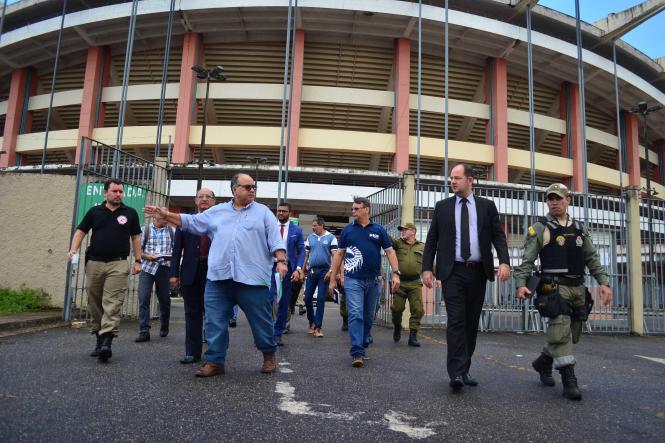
[363, 245]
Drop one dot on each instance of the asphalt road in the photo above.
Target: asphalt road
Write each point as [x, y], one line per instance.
[50, 390]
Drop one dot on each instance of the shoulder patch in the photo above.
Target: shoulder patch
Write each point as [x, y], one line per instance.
[532, 231]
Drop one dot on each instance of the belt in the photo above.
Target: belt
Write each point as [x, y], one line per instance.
[105, 259]
[203, 259]
[468, 264]
[409, 277]
[564, 281]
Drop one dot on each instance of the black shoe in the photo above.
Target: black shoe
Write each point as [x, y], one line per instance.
[292, 310]
[370, 339]
[397, 332]
[163, 333]
[233, 323]
[143, 336]
[543, 365]
[190, 359]
[278, 340]
[345, 324]
[570, 389]
[468, 380]
[105, 350]
[413, 339]
[301, 310]
[457, 382]
[95, 353]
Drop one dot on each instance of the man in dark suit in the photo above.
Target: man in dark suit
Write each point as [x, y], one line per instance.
[190, 275]
[295, 251]
[464, 228]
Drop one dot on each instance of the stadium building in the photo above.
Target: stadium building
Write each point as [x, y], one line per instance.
[368, 98]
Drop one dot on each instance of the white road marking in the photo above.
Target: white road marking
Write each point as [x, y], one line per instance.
[289, 404]
[397, 421]
[285, 370]
[657, 360]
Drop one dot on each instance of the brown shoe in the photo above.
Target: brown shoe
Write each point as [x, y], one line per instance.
[318, 333]
[210, 369]
[311, 328]
[269, 363]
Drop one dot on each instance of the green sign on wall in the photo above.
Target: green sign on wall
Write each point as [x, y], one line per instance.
[92, 194]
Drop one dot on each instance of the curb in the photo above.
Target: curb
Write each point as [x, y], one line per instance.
[30, 325]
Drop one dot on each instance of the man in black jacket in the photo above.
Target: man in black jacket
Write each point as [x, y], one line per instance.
[464, 228]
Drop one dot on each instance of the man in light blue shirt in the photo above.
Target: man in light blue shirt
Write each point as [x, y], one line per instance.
[245, 243]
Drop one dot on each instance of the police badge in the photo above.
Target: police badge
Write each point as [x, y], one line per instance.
[561, 240]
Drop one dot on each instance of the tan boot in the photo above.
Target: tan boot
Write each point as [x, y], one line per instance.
[269, 363]
[210, 369]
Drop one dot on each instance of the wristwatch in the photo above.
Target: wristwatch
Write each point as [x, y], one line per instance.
[399, 274]
[138, 261]
[279, 260]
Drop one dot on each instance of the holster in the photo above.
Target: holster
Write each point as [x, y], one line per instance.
[549, 302]
[582, 312]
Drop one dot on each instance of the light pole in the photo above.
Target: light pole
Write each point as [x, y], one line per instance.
[644, 110]
[216, 73]
[256, 161]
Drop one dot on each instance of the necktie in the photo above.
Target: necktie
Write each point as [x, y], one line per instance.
[465, 246]
[281, 230]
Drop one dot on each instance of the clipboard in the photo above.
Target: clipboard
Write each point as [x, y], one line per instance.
[278, 285]
[532, 284]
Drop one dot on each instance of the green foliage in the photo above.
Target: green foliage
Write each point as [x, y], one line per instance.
[22, 300]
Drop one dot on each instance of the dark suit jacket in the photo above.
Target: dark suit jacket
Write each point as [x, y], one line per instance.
[295, 247]
[441, 238]
[185, 246]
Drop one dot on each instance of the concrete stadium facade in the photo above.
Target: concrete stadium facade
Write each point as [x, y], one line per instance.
[357, 69]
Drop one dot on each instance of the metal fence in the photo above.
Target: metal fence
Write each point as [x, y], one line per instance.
[145, 182]
[604, 217]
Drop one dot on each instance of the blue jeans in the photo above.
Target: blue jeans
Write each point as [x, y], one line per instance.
[315, 281]
[283, 306]
[161, 282]
[362, 294]
[220, 296]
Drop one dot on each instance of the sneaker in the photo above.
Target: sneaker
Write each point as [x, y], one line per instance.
[318, 333]
[311, 328]
[357, 362]
[301, 310]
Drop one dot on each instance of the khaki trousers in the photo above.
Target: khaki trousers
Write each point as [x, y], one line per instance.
[107, 285]
[563, 331]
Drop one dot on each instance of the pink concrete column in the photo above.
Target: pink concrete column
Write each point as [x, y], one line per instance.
[192, 50]
[402, 76]
[496, 95]
[96, 78]
[632, 150]
[18, 94]
[571, 143]
[296, 97]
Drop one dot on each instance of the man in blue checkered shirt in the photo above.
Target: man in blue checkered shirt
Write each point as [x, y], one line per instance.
[157, 247]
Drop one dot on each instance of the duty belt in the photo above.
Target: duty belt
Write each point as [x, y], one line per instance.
[564, 281]
[410, 277]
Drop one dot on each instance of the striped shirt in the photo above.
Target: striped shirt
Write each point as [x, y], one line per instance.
[160, 244]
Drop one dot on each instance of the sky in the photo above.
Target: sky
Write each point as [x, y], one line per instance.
[643, 37]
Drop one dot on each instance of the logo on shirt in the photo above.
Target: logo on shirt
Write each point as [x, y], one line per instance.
[374, 236]
[122, 219]
[578, 241]
[353, 259]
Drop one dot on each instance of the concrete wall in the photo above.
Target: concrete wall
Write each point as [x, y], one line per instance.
[35, 223]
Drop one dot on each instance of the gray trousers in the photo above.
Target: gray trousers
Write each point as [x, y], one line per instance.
[161, 282]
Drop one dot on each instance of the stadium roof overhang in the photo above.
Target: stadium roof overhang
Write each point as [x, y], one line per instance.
[370, 22]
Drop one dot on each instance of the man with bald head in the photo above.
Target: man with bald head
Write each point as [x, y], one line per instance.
[190, 275]
[245, 242]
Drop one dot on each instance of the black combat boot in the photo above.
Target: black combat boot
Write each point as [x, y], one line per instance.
[413, 338]
[95, 353]
[105, 350]
[397, 332]
[543, 366]
[345, 323]
[570, 389]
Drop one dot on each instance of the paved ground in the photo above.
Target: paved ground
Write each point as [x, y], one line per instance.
[50, 390]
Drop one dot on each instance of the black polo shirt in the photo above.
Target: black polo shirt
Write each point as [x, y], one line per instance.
[111, 230]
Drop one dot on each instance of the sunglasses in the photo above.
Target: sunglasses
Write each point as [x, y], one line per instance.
[247, 187]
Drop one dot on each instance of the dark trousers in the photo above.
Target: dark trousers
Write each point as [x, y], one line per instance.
[161, 282]
[295, 292]
[192, 295]
[464, 294]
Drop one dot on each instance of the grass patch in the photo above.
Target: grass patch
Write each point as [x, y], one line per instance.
[22, 300]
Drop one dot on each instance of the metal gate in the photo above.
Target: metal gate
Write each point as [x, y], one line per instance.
[604, 216]
[145, 182]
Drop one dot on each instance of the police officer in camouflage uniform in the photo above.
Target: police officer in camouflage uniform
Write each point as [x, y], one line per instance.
[565, 249]
[410, 257]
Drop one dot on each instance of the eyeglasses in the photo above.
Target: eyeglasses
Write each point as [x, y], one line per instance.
[247, 187]
[205, 197]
